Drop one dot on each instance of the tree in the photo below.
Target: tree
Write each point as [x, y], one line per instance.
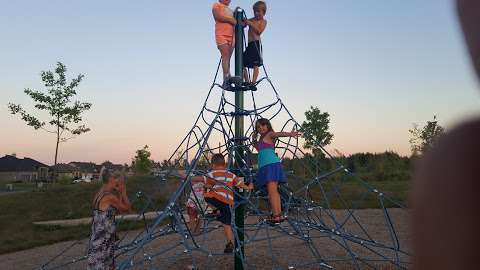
[180, 160]
[107, 164]
[166, 164]
[141, 163]
[315, 131]
[65, 115]
[424, 138]
[203, 162]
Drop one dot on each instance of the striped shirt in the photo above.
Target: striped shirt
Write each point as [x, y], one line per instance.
[222, 182]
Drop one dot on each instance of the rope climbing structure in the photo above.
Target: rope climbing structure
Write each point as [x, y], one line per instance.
[326, 226]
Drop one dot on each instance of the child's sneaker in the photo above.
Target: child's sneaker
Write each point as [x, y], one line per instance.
[249, 86]
[228, 248]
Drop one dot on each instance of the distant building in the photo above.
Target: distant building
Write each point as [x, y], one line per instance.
[66, 171]
[13, 169]
[90, 171]
[159, 172]
[87, 170]
[114, 167]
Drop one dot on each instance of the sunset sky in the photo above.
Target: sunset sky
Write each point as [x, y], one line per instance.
[375, 66]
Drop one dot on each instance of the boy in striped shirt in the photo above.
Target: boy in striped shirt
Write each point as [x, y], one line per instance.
[220, 183]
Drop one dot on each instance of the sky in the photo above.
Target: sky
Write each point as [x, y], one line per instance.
[376, 66]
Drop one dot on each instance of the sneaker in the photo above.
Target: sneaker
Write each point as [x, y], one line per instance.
[249, 86]
[228, 248]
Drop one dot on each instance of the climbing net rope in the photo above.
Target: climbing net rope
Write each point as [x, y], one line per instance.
[326, 227]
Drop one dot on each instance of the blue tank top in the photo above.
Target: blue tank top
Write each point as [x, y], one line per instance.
[266, 154]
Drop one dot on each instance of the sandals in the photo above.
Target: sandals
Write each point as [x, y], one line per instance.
[228, 248]
[276, 219]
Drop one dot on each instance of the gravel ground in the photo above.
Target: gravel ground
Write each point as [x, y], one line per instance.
[286, 248]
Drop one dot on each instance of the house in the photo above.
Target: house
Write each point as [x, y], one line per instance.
[87, 170]
[90, 171]
[66, 171]
[13, 169]
[161, 173]
[114, 167]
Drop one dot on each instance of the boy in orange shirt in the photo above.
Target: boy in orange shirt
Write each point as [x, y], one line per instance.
[224, 34]
[220, 195]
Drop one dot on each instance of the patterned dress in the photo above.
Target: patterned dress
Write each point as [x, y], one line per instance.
[196, 197]
[102, 238]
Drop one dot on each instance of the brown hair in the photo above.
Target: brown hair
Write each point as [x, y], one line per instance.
[218, 159]
[261, 5]
[263, 122]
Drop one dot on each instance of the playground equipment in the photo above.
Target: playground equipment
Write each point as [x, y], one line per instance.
[324, 230]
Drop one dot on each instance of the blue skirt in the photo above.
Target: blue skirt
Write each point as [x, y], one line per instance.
[270, 173]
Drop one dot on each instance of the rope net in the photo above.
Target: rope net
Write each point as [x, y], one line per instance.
[326, 227]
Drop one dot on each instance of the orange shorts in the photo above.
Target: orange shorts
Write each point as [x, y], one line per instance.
[221, 40]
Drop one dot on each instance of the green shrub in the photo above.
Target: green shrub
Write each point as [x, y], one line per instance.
[65, 180]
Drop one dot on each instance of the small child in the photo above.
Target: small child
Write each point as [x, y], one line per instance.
[220, 195]
[110, 200]
[224, 34]
[195, 201]
[270, 171]
[252, 57]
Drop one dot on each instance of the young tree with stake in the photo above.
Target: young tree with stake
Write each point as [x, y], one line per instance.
[65, 115]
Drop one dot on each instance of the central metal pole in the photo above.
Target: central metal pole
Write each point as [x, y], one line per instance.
[238, 142]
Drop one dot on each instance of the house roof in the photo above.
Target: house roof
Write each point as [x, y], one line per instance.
[64, 168]
[91, 167]
[10, 163]
[86, 166]
[115, 167]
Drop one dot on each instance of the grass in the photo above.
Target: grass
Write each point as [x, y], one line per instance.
[19, 210]
[18, 187]
[347, 192]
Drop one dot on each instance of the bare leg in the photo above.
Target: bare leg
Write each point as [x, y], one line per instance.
[228, 232]
[232, 47]
[192, 219]
[255, 74]
[196, 224]
[274, 197]
[245, 75]
[226, 53]
[230, 52]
